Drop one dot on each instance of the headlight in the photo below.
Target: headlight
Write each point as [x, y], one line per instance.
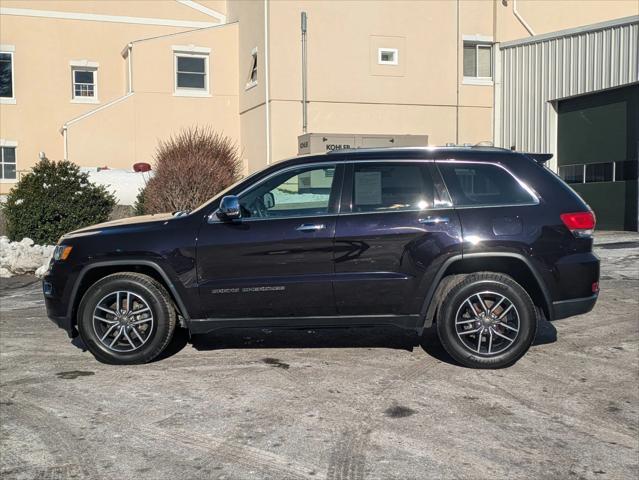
[62, 252]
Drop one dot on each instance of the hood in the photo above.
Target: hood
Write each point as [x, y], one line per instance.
[123, 222]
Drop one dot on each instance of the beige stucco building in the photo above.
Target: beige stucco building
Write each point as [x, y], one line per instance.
[100, 82]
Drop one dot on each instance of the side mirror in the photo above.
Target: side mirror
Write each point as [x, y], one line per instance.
[268, 200]
[229, 208]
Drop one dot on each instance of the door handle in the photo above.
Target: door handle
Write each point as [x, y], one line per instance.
[310, 227]
[433, 220]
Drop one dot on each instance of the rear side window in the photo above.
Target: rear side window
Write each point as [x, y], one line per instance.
[379, 187]
[475, 184]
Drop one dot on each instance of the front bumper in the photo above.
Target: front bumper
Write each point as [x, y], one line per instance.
[65, 324]
[574, 306]
[56, 288]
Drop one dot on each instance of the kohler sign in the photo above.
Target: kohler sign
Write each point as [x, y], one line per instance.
[330, 142]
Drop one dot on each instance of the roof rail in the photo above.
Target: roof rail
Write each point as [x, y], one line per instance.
[374, 149]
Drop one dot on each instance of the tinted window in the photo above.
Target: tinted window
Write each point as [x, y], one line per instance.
[572, 173]
[482, 184]
[626, 170]
[599, 172]
[6, 82]
[301, 192]
[391, 187]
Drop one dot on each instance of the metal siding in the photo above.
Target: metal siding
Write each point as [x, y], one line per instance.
[537, 72]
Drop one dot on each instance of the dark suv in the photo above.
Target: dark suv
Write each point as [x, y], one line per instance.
[480, 241]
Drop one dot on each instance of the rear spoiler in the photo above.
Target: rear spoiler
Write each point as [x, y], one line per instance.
[540, 158]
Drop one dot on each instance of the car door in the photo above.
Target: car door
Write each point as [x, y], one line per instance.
[277, 260]
[396, 228]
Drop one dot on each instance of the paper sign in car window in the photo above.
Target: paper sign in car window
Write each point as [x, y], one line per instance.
[368, 188]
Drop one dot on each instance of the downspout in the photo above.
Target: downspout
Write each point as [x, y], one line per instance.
[304, 76]
[65, 141]
[521, 19]
[266, 86]
[496, 81]
[457, 79]
[129, 66]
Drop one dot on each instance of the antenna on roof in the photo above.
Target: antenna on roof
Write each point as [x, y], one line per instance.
[484, 143]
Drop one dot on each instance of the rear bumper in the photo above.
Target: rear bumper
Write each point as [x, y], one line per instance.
[574, 306]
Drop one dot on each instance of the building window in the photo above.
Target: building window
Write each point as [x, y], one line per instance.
[8, 163]
[252, 78]
[478, 62]
[599, 172]
[7, 93]
[572, 173]
[387, 56]
[85, 84]
[191, 71]
[626, 170]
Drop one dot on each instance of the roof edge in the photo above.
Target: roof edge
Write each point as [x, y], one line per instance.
[571, 31]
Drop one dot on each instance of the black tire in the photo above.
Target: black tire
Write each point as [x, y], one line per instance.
[153, 294]
[456, 300]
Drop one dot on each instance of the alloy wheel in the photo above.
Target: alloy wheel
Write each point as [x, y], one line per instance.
[123, 321]
[487, 323]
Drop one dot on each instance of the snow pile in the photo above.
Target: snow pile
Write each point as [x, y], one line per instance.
[23, 257]
[124, 184]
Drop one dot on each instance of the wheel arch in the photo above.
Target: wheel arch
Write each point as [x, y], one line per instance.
[456, 268]
[95, 271]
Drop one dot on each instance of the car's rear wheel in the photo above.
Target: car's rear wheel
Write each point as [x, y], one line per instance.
[126, 318]
[487, 321]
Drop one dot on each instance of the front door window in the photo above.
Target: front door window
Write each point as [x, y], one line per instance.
[303, 192]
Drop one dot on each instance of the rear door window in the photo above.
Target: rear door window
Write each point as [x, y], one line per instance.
[380, 187]
[483, 184]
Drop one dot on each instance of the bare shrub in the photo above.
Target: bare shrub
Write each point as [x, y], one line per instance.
[190, 168]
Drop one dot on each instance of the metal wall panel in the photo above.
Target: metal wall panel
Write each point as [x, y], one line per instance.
[538, 70]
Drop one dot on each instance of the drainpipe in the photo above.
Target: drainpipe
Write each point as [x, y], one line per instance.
[521, 19]
[457, 76]
[266, 86]
[129, 66]
[304, 77]
[65, 142]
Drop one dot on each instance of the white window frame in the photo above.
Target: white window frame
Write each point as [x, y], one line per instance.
[84, 66]
[10, 49]
[254, 59]
[394, 51]
[191, 51]
[9, 144]
[479, 41]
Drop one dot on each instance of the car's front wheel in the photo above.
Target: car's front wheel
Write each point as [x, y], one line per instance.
[126, 318]
[487, 321]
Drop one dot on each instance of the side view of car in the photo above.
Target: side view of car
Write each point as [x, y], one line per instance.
[479, 241]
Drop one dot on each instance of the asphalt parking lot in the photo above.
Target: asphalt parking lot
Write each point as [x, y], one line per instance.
[334, 404]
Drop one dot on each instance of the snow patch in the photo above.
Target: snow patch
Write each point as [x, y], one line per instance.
[24, 257]
[124, 184]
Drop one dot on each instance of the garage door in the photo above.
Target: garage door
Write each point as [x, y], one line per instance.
[597, 153]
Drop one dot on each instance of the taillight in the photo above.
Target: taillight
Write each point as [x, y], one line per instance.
[581, 224]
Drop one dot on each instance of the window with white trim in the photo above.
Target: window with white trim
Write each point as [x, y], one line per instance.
[85, 83]
[252, 77]
[191, 73]
[8, 163]
[478, 60]
[6, 75]
[387, 56]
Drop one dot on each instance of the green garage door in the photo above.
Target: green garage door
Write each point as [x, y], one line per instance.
[597, 152]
